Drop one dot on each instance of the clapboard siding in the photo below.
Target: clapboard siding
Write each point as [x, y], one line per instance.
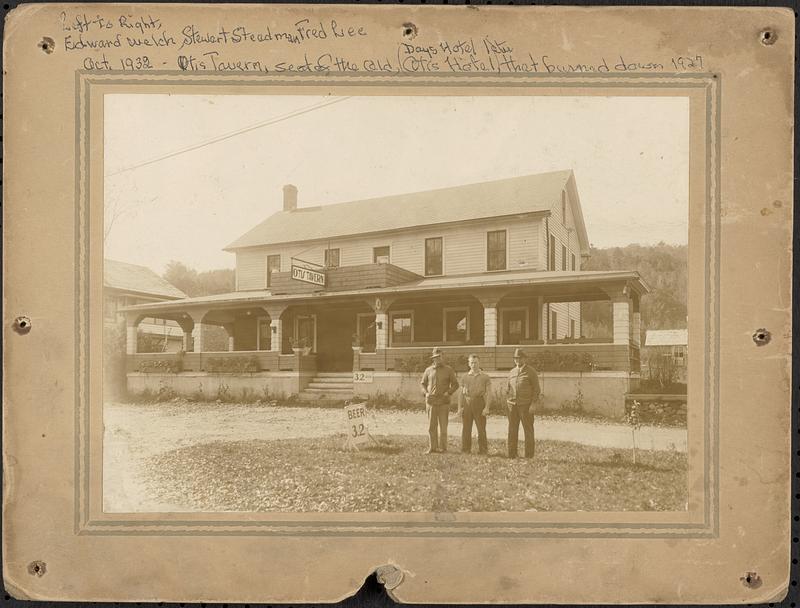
[464, 250]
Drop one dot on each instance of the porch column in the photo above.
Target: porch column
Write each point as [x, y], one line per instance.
[187, 340]
[187, 325]
[275, 326]
[543, 321]
[490, 326]
[229, 330]
[381, 330]
[197, 337]
[131, 333]
[622, 321]
[489, 301]
[380, 305]
[636, 323]
[276, 334]
[197, 329]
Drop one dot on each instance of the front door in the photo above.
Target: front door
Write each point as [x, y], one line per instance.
[306, 332]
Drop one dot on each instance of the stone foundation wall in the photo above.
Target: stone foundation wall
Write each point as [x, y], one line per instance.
[600, 392]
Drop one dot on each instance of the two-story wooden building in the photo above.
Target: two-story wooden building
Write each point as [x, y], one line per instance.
[372, 285]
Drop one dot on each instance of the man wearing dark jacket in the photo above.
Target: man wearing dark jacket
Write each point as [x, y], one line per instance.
[523, 390]
[438, 383]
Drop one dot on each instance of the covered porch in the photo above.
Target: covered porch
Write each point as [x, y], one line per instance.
[392, 329]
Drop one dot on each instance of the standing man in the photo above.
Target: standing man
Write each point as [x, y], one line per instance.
[438, 383]
[523, 390]
[474, 393]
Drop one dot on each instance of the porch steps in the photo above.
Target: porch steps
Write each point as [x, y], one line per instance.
[328, 385]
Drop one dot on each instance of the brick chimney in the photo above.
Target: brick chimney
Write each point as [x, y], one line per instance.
[289, 197]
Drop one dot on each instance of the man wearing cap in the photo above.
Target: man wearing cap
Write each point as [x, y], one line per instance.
[523, 390]
[438, 383]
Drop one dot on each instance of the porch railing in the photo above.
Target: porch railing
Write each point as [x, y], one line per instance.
[604, 357]
[249, 361]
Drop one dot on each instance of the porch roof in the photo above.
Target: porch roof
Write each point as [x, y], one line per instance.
[552, 283]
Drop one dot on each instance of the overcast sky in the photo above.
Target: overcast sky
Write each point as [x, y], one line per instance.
[629, 154]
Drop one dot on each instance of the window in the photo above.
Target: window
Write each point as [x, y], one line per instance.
[273, 265]
[433, 256]
[563, 257]
[572, 328]
[332, 258]
[553, 325]
[572, 255]
[456, 324]
[496, 250]
[514, 325]
[402, 327]
[551, 262]
[380, 255]
[564, 207]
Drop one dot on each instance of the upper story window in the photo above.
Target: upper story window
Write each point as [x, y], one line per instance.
[572, 255]
[563, 257]
[332, 258]
[380, 255]
[496, 250]
[433, 256]
[273, 265]
[551, 260]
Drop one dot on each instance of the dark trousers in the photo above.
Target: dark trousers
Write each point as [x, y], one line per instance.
[437, 426]
[517, 414]
[473, 412]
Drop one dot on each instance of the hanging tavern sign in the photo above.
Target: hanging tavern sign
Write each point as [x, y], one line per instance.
[308, 272]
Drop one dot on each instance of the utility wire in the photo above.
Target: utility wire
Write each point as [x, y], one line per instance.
[220, 138]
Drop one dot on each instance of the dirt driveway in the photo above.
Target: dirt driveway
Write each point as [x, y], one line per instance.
[135, 432]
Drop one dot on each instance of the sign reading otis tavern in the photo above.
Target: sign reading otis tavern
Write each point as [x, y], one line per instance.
[302, 271]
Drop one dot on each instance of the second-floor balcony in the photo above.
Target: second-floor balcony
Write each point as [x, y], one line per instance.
[345, 278]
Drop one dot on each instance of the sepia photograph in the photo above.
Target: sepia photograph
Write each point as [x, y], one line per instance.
[386, 303]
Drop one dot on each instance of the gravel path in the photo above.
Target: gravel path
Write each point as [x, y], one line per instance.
[135, 432]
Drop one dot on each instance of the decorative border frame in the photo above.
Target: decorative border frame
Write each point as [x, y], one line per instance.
[444, 524]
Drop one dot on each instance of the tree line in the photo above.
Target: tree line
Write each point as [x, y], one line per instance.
[663, 267]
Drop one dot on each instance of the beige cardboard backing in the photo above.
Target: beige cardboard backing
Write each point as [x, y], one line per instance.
[741, 102]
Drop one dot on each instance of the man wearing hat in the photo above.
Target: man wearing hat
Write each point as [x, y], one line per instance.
[438, 383]
[523, 390]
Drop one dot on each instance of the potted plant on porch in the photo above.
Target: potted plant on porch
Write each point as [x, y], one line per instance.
[356, 341]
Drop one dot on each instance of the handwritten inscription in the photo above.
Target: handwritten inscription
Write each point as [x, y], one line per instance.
[105, 43]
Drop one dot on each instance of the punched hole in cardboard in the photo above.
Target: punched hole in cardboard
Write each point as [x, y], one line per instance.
[37, 568]
[751, 580]
[768, 36]
[22, 325]
[761, 337]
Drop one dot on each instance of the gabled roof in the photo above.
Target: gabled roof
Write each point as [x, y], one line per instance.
[138, 279]
[513, 196]
[666, 337]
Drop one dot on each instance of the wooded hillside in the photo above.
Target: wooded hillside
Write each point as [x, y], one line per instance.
[663, 267]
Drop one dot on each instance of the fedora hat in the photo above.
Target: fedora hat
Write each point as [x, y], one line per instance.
[518, 352]
[436, 352]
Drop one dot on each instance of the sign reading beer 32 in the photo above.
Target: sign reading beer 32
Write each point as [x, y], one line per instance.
[356, 421]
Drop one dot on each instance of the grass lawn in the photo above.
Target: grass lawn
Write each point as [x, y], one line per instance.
[321, 475]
